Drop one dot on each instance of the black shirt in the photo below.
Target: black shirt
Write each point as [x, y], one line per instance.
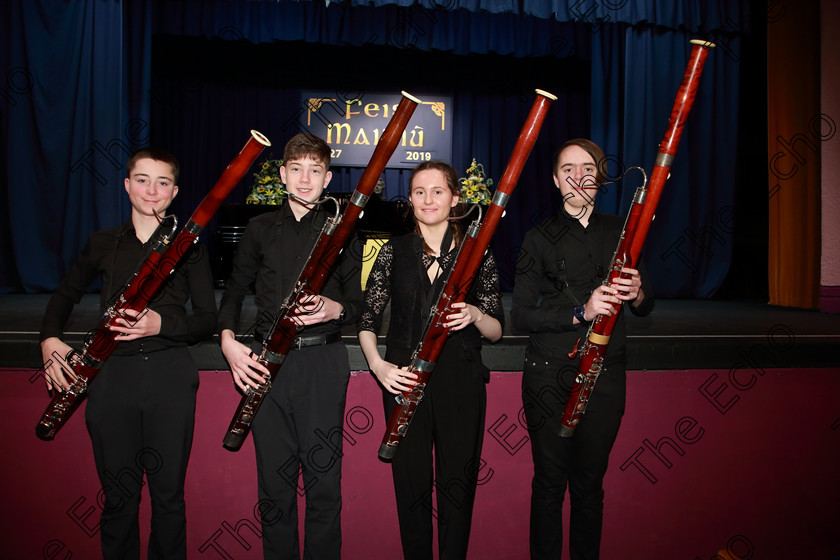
[116, 254]
[399, 275]
[271, 256]
[561, 263]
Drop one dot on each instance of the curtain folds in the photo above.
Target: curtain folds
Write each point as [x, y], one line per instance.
[458, 26]
[458, 32]
[81, 94]
[795, 128]
[691, 15]
[66, 135]
[689, 247]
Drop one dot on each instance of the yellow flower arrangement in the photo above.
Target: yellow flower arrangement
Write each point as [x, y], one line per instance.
[474, 185]
[268, 188]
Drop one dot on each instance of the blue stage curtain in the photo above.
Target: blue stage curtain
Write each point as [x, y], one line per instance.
[458, 32]
[457, 26]
[65, 138]
[689, 247]
[69, 134]
[693, 15]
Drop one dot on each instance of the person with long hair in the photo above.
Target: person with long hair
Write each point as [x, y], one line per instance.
[410, 272]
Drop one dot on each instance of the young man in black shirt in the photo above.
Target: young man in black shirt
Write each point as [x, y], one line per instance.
[299, 425]
[140, 408]
[558, 291]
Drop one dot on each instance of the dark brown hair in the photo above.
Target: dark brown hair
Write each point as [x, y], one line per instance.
[156, 154]
[590, 148]
[307, 145]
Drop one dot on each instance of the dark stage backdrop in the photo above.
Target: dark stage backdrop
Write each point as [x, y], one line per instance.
[86, 82]
[211, 83]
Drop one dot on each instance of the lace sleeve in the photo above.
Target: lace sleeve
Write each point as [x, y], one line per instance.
[486, 292]
[378, 290]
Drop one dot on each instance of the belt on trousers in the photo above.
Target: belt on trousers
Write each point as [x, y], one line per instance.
[316, 340]
[308, 340]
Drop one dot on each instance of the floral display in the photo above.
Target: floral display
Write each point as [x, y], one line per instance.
[268, 188]
[474, 185]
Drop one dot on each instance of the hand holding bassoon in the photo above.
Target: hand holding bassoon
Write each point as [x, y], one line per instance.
[608, 297]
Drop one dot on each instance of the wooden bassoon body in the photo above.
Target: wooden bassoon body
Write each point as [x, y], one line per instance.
[632, 238]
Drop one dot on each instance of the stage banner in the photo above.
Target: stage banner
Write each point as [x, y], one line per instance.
[352, 124]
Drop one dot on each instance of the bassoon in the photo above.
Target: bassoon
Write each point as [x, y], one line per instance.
[464, 269]
[143, 285]
[324, 254]
[630, 243]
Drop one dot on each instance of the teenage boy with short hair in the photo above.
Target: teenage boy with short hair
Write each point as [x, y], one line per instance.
[299, 424]
[141, 407]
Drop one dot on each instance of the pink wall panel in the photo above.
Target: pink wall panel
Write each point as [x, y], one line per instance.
[706, 460]
[829, 156]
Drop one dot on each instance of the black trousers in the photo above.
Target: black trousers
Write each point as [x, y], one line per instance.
[299, 429]
[140, 415]
[450, 418]
[579, 462]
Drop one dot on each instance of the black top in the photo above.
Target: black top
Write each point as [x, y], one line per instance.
[399, 274]
[116, 254]
[271, 256]
[561, 263]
